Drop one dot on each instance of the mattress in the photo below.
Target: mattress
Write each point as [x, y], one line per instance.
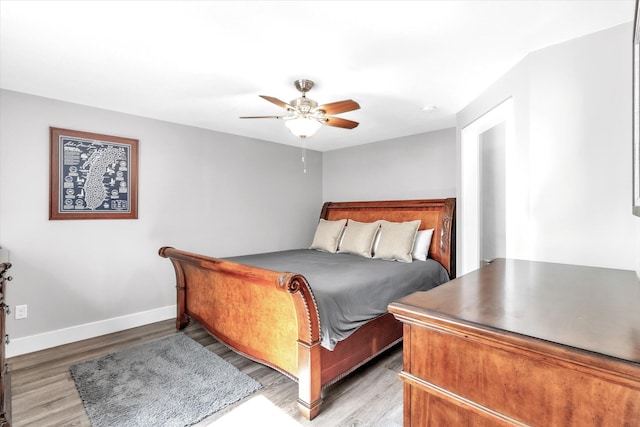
[350, 289]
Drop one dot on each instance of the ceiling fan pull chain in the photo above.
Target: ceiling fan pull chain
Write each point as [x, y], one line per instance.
[304, 154]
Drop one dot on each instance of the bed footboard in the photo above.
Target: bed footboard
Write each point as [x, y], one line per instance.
[245, 307]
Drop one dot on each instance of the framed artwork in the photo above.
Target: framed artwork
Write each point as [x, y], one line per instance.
[92, 176]
[636, 113]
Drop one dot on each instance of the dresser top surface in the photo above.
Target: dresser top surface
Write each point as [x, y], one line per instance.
[589, 308]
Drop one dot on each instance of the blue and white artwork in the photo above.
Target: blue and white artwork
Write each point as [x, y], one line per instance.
[94, 176]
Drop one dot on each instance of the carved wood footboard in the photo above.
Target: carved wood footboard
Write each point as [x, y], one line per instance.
[271, 317]
[268, 316]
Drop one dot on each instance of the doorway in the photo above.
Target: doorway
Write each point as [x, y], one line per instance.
[492, 233]
[487, 184]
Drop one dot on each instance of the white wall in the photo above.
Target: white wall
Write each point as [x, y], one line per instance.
[199, 190]
[492, 194]
[414, 167]
[572, 107]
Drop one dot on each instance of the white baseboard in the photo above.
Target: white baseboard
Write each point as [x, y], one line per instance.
[46, 340]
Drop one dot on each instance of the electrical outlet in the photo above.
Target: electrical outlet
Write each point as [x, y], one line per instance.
[21, 312]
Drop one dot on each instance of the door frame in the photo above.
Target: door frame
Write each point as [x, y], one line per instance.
[469, 197]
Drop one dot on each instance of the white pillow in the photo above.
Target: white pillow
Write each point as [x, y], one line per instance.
[396, 240]
[376, 242]
[328, 235]
[358, 238]
[421, 246]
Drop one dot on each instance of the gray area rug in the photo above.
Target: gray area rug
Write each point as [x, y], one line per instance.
[173, 381]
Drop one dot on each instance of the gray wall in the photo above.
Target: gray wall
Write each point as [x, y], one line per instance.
[572, 105]
[414, 167]
[202, 190]
[199, 190]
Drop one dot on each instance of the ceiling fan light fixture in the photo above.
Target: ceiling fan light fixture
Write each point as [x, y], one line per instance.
[306, 116]
[303, 127]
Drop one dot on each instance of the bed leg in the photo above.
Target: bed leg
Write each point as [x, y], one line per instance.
[182, 321]
[309, 386]
[309, 412]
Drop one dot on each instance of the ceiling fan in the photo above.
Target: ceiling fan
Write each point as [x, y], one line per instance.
[306, 116]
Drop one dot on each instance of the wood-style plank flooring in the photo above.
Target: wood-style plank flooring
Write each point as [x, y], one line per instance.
[44, 393]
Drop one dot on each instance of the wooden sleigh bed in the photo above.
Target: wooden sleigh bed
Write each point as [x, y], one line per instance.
[283, 330]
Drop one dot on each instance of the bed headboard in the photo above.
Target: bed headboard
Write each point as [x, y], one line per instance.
[438, 214]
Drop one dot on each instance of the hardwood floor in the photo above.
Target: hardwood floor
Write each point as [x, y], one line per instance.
[44, 393]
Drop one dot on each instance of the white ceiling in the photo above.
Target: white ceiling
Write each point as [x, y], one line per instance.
[204, 63]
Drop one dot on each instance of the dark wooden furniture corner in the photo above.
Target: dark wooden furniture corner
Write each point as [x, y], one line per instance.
[523, 343]
[5, 376]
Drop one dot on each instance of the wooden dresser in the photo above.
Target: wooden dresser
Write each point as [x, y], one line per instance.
[523, 343]
[5, 376]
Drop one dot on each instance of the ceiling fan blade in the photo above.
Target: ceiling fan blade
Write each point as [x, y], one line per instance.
[339, 107]
[276, 101]
[262, 117]
[340, 123]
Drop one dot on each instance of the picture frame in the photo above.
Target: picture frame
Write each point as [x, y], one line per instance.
[92, 176]
[636, 113]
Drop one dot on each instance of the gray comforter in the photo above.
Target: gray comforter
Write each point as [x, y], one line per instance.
[350, 289]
